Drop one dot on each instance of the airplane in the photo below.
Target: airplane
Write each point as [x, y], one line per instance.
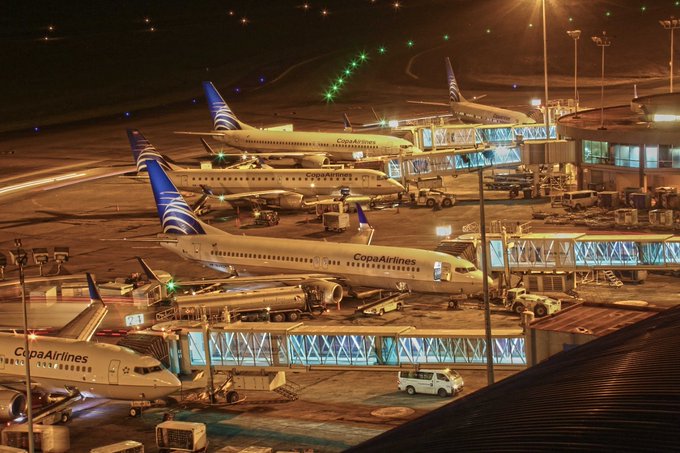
[71, 366]
[356, 264]
[287, 188]
[309, 147]
[470, 111]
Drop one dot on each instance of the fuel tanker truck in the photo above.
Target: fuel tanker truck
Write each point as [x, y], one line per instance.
[275, 304]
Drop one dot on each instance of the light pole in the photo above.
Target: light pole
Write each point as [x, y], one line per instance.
[485, 283]
[545, 74]
[20, 258]
[602, 42]
[671, 24]
[575, 35]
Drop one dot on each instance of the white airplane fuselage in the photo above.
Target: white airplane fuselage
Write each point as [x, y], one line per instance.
[338, 146]
[307, 182]
[486, 114]
[357, 264]
[97, 370]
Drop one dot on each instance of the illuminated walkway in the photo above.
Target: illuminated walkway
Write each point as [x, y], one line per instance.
[581, 252]
[295, 345]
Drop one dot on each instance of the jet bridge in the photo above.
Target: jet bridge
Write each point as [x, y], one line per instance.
[296, 346]
[450, 162]
[580, 252]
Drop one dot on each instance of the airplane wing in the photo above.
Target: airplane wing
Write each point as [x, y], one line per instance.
[83, 326]
[290, 279]
[443, 104]
[365, 233]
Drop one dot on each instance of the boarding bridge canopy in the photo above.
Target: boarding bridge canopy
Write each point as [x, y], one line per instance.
[582, 252]
[457, 136]
[450, 162]
[296, 345]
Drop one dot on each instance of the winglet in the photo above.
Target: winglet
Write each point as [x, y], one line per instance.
[346, 122]
[147, 270]
[365, 233]
[454, 92]
[363, 221]
[143, 150]
[208, 147]
[93, 290]
[83, 326]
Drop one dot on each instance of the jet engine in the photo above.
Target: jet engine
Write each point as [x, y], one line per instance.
[12, 404]
[316, 161]
[331, 292]
[286, 201]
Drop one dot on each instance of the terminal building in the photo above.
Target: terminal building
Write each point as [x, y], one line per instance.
[636, 145]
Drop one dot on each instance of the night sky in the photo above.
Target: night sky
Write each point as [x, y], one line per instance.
[102, 59]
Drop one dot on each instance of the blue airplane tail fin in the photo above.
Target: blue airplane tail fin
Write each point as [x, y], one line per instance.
[175, 214]
[454, 90]
[143, 150]
[223, 117]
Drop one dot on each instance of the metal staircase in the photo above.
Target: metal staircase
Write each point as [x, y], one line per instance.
[289, 391]
[612, 279]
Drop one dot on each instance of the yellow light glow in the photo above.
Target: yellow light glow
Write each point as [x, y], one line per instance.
[662, 118]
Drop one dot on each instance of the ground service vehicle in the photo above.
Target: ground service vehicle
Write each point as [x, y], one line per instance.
[266, 217]
[383, 305]
[442, 382]
[181, 436]
[579, 199]
[335, 221]
[47, 438]
[518, 301]
[433, 197]
[275, 304]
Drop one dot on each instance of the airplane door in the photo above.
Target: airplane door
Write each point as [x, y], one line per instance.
[364, 181]
[113, 371]
[324, 262]
[185, 181]
[279, 180]
[316, 261]
[2, 362]
[437, 276]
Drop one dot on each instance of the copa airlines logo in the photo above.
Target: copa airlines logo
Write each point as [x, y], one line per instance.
[328, 175]
[384, 259]
[178, 218]
[355, 141]
[146, 151]
[52, 355]
[453, 88]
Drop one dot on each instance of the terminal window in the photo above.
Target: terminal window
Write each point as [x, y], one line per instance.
[595, 152]
[627, 156]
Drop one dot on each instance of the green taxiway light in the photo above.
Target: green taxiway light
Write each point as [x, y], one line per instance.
[608, 13]
[328, 96]
[381, 50]
[347, 71]
[363, 56]
[220, 155]
[446, 37]
[643, 8]
[340, 81]
[334, 88]
[410, 43]
[353, 64]
[170, 286]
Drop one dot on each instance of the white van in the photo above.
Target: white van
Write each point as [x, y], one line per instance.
[434, 382]
[579, 199]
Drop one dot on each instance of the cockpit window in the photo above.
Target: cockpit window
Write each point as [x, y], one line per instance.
[147, 369]
[465, 270]
[404, 146]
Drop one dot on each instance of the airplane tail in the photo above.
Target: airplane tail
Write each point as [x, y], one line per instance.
[223, 118]
[143, 150]
[175, 214]
[454, 92]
